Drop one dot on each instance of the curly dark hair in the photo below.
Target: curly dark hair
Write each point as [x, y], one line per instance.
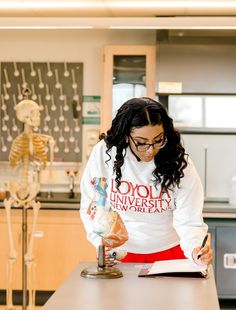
[170, 161]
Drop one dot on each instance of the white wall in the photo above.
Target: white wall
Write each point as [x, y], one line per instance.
[201, 68]
[69, 45]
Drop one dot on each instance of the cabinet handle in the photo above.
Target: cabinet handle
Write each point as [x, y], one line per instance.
[38, 234]
[205, 170]
[230, 260]
[19, 238]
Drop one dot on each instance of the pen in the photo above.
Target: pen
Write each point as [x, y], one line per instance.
[203, 244]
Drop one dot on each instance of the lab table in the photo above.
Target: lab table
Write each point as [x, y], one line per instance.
[132, 292]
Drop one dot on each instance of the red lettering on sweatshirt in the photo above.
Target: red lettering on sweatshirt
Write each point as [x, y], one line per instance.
[139, 198]
[141, 190]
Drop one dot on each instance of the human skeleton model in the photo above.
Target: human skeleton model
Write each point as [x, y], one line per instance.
[106, 222]
[27, 152]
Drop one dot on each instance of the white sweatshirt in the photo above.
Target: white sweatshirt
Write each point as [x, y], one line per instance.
[154, 222]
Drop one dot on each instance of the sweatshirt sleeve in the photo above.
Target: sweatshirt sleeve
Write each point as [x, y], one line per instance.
[91, 170]
[188, 219]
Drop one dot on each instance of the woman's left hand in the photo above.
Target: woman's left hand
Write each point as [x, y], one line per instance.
[206, 255]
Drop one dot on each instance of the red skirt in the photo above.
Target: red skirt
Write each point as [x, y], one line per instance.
[172, 253]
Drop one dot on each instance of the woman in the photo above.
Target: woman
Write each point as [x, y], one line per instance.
[151, 183]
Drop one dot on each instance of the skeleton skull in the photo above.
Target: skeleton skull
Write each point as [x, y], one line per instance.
[27, 111]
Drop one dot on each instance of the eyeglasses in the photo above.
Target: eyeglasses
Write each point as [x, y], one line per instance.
[142, 147]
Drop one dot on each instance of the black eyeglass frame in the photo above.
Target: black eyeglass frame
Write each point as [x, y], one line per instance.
[148, 145]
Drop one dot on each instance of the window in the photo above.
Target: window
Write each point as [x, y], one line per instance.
[203, 111]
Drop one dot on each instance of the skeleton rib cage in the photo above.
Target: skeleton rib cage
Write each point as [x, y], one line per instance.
[34, 147]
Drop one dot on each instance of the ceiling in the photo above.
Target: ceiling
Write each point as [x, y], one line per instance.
[121, 14]
[116, 8]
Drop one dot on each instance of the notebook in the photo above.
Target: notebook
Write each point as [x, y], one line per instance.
[174, 268]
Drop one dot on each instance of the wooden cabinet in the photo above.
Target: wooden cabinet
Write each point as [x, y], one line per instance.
[128, 71]
[17, 234]
[60, 244]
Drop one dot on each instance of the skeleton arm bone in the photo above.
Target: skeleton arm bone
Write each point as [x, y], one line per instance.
[36, 206]
[12, 255]
[51, 142]
[8, 203]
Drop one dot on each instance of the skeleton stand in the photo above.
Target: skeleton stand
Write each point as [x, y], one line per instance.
[26, 148]
[24, 249]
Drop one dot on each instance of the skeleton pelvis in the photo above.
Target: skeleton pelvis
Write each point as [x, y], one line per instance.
[23, 192]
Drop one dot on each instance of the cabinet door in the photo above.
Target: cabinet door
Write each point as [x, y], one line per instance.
[4, 249]
[196, 148]
[60, 244]
[221, 164]
[128, 71]
[214, 156]
[225, 277]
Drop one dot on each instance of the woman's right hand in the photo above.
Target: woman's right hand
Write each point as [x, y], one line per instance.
[203, 256]
[113, 256]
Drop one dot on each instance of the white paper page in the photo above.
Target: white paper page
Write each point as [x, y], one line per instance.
[177, 265]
